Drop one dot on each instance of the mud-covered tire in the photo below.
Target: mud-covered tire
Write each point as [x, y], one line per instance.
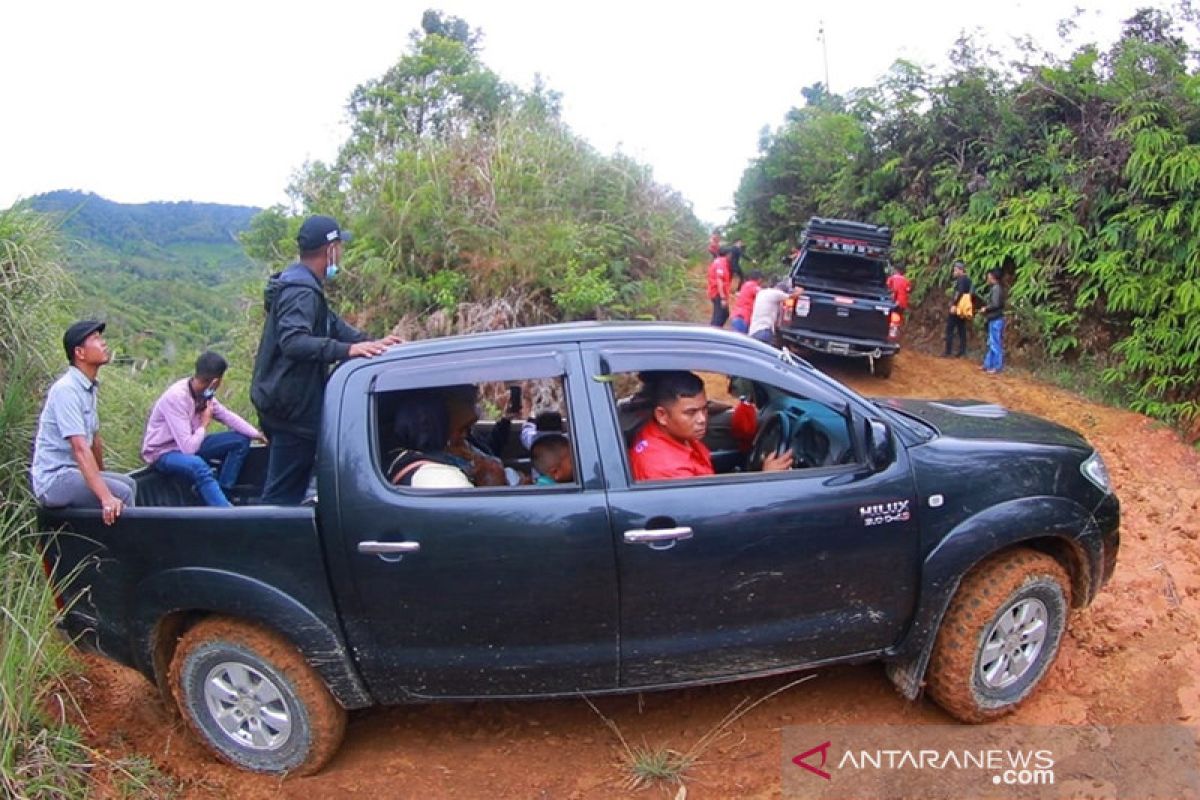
[882, 367]
[1000, 635]
[248, 694]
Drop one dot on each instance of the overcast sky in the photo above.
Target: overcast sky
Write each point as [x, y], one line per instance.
[222, 101]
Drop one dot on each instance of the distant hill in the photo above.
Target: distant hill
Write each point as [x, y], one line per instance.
[117, 225]
[168, 277]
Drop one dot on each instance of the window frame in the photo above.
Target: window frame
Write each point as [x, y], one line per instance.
[475, 369]
[730, 363]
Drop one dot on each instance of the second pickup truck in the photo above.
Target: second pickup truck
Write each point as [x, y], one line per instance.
[846, 308]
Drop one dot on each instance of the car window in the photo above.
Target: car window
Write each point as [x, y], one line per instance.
[747, 420]
[500, 433]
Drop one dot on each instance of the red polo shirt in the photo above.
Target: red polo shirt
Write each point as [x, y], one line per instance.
[656, 455]
[900, 287]
[743, 306]
[718, 278]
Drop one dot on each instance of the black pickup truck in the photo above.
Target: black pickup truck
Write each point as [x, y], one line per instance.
[846, 308]
[949, 539]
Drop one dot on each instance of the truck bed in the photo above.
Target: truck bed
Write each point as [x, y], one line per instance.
[168, 555]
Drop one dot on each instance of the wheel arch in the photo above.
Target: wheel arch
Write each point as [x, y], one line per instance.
[173, 601]
[1056, 526]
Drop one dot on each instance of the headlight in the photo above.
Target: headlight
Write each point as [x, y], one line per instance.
[1094, 470]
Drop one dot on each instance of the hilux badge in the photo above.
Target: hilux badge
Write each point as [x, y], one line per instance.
[884, 513]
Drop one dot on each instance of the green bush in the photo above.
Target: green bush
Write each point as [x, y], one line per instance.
[1078, 177]
[465, 193]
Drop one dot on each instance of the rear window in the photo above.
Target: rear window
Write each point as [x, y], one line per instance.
[838, 268]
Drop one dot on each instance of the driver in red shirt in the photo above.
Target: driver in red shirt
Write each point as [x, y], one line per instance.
[669, 444]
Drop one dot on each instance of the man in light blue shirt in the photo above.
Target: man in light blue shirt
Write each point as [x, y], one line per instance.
[68, 453]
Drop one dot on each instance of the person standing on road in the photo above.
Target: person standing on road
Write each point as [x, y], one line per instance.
[735, 264]
[177, 441]
[993, 314]
[301, 338]
[900, 286]
[68, 452]
[714, 244]
[956, 322]
[743, 306]
[718, 288]
[765, 318]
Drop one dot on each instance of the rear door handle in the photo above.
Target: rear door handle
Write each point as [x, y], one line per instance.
[388, 548]
[658, 538]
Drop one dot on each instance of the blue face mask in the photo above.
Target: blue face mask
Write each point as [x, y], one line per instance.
[331, 271]
[209, 393]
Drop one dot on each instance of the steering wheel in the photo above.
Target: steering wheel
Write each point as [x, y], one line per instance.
[780, 432]
[773, 437]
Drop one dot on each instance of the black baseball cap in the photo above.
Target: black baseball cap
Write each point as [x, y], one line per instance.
[77, 334]
[318, 231]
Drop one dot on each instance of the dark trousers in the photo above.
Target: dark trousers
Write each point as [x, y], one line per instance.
[720, 313]
[956, 326]
[290, 460]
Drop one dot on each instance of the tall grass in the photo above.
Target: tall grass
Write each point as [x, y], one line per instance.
[40, 756]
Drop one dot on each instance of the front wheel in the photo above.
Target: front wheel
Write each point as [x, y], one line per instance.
[249, 695]
[1000, 635]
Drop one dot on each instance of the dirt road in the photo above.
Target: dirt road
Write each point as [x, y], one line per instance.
[1133, 656]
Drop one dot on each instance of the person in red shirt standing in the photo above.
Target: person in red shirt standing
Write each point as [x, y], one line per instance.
[718, 288]
[743, 306]
[900, 287]
[670, 444]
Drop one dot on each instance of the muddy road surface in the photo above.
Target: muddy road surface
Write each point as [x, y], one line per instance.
[1132, 657]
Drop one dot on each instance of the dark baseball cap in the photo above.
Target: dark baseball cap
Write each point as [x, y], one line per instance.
[77, 334]
[318, 231]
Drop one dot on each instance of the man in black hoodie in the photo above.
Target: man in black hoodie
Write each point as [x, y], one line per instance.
[301, 338]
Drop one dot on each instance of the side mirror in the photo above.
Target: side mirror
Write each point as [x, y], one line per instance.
[880, 452]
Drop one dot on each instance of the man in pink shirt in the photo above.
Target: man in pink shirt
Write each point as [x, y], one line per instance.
[176, 441]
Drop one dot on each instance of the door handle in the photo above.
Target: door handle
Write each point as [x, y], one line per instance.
[388, 548]
[657, 536]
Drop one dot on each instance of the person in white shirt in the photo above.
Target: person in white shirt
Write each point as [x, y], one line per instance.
[765, 317]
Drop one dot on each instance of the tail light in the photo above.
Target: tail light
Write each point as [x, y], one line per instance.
[895, 320]
[789, 308]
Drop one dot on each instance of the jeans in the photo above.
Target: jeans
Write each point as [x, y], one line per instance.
[720, 313]
[764, 335]
[740, 325]
[290, 460]
[994, 360]
[956, 325]
[228, 447]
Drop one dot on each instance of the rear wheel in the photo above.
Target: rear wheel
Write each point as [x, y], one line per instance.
[882, 366]
[1000, 635]
[253, 700]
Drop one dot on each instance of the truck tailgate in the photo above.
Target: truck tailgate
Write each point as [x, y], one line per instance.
[841, 314]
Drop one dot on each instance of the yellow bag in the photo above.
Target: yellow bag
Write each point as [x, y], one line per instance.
[965, 307]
